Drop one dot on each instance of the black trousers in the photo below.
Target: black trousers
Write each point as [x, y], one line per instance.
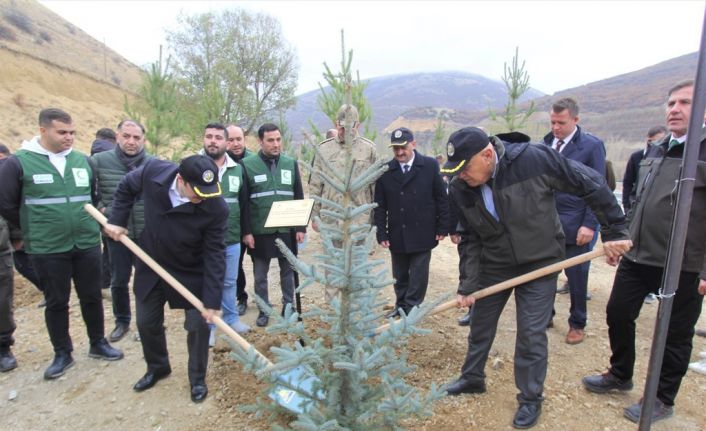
[534, 301]
[150, 325]
[411, 272]
[23, 265]
[632, 283]
[105, 264]
[241, 294]
[7, 319]
[55, 272]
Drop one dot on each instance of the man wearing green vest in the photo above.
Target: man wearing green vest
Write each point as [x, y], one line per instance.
[111, 166]
[230, 175]
[237, 151]
[44, 188]
[271, 177]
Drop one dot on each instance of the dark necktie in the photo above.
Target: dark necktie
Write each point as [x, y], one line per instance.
[559, 144]
[405, 168]
[273, 165]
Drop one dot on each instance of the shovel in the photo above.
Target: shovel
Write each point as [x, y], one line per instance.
[533, 275]
[297, 377]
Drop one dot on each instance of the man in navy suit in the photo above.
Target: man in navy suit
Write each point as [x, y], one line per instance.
[412, 216]
[185, 228]
[577, 220]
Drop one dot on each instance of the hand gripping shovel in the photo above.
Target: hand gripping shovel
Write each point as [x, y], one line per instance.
[533, 275]
[298, 378]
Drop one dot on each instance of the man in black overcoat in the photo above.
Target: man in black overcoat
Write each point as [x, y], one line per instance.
[185, 227]
[411, 218]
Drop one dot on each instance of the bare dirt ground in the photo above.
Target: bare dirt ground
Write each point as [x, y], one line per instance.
[97, 395]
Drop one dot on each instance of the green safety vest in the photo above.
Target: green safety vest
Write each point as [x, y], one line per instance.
[266, 187]
[231, 183]
[52, 217]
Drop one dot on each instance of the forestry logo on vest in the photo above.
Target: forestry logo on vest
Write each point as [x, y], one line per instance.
[80, 177]
[233, 184]
[286, 177]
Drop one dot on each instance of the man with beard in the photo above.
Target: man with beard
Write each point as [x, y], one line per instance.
[234, 189]
[271, 177]
[44, 188]
[111, 166]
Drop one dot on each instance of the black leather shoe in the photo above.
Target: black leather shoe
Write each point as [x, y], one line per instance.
[527, 416]
[392, 314]
[103, 350]
[119, 332]
[62, 362]
[606, 382]
[242, 307]
[465, 320]
[150, 379]
[199, 392]
[462, 386]
[7, 360]
[262, 319]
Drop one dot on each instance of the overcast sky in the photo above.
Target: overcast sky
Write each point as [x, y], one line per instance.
[564, 43]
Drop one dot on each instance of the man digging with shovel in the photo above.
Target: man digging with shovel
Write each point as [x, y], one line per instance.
[185, 228]
[504, 195]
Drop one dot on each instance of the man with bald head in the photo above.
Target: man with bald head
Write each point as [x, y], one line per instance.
[111, 166]
[504, 199]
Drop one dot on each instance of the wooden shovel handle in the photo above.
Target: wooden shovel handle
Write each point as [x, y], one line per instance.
[196, 302]
[537, 273]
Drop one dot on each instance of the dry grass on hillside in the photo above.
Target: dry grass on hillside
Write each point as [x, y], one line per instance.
[29, 85]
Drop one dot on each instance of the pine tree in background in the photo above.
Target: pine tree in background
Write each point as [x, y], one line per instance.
[157, 109]
[358, 377]
[516, 81]
[330, 100]
[438, 140]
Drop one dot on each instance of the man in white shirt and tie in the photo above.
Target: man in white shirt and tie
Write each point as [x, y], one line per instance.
[411, 218]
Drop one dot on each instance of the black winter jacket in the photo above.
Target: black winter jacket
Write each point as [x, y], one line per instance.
[529, 234]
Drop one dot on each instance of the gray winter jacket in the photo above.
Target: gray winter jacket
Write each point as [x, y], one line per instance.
[653, 211]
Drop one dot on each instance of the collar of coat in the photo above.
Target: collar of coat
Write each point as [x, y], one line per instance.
[394, 165]
[164, 180]
[576, 139]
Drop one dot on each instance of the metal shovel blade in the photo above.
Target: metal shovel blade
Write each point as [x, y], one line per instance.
[297, 378]
[294, 400]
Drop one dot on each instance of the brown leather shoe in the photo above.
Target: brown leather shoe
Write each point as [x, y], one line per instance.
[575, 336]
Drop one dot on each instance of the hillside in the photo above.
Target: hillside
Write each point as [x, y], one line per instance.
[392, 96]
[625, 106]
[618, 109]
[47, 61]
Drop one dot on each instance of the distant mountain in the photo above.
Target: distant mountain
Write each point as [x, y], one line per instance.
[621, 109]
[394, 95]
